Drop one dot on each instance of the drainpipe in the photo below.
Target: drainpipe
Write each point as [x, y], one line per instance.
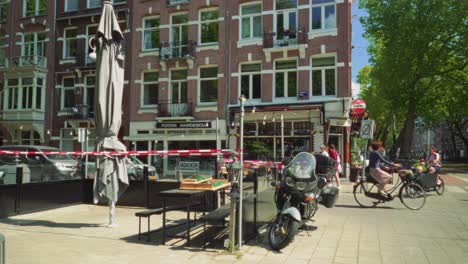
[51, 121]
[228, 66]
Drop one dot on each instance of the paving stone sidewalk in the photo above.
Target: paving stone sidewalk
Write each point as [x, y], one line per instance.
[345, 234]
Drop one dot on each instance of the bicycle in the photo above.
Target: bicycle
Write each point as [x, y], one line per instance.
[411, 194]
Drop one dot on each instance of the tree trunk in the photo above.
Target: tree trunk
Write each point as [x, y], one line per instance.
[405, 139]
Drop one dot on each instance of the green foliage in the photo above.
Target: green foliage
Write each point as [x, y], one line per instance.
[418, 60]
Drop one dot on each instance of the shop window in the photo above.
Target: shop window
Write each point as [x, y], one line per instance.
[302, 128]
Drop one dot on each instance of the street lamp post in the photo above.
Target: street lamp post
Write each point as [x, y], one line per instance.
[282, 137]
[241, 176]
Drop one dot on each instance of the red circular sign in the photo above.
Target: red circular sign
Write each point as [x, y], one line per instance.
[358, 106]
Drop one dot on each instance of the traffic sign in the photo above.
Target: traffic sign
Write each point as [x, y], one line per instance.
[358, 106]
[367, 129]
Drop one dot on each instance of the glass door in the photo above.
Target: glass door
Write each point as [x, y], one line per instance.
[179, 34]
[178, 93]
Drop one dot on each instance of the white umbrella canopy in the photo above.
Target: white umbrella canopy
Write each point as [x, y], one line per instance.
[112, 179]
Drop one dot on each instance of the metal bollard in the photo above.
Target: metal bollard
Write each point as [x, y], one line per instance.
[2, 249]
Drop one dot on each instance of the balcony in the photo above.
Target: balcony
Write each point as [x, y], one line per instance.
[26, 61]
[286, 40]
[170, 109]
[80, 112]
[177, 2]
[173, 51]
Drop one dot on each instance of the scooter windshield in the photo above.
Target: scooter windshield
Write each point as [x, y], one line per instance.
[302, 166]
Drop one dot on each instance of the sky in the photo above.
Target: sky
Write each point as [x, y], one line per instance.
[360, 56]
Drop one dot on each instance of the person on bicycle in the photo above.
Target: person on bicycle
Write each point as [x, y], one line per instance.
[375, 161]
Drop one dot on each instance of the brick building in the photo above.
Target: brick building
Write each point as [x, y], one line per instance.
[187, 62]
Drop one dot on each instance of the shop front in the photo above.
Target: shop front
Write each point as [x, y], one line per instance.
[177, 136]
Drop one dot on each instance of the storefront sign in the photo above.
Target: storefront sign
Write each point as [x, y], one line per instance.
[183, 125]
[358, 106]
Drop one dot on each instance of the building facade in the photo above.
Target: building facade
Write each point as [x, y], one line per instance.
[187, 62]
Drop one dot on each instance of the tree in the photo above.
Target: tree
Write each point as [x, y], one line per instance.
[414, 46]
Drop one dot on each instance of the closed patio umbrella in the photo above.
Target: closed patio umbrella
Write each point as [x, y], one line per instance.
[112, 178]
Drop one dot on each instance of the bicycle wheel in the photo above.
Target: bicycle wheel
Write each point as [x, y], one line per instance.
[412, 195]
[440, 188]
[360, 196]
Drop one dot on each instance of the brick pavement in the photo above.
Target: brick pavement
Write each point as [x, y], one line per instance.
[345, 234]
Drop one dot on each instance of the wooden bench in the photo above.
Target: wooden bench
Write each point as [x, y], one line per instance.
[150, 212]
[216, 217]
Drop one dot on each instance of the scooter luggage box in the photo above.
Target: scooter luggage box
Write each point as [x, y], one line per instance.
[324, 164]
[329, 196]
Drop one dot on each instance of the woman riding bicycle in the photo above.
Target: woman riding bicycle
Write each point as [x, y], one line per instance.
[375, 161]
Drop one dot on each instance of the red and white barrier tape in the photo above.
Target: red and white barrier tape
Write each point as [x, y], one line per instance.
[188, 152]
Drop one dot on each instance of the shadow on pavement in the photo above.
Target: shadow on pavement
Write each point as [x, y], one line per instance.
[46, 223]
[357, 206]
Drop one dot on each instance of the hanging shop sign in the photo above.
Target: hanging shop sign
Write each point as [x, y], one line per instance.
[183, 125]
[358, 106]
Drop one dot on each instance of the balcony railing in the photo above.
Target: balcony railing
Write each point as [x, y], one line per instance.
[177, 50]
[25, 61]
[284, 39]
[80, 111]
[174, 109]
[177, 2]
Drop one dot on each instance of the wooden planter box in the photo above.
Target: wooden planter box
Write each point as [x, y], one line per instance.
[210, 185]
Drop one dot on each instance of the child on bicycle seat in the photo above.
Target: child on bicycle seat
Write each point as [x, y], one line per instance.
[375, 161]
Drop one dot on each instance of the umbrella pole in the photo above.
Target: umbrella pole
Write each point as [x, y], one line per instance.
[112, 214]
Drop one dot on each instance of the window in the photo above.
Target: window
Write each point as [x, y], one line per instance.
[71, 5]
[178, 88]
[323, 14]
[3, 10]
[27, 93]
[179, 34]
[70, 43]
[39, 86]
[2, 94]
[90, 32]
[323, 76]
[286, 19]
[2, 52]
[151, 33]
[90, 83]
[251, 81]
[150, 89]
[34, 7]
[34, 44]
[94, 3]
[68, 94]
[12, 91]
[116, 2]
[251, 21]
[209, 85]
[285, 79]
[209, 27]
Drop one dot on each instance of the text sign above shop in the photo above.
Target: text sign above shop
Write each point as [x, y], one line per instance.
[183, 125]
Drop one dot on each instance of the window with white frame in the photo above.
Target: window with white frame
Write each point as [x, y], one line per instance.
[90, 33]
[209, 26]
[12, 91]
[70, 43]
[285, 78]
[208, 85]
[3, 10]
[34, 44]
[150, 85]
[90, 83]
[38, 94]
[34, 7]
[71, 5]
[68, 93]
[94, 3]
[2, 94]
[151, 33]
[323, 76]
[251, 21]
[251, 81]
[286, 19]
[323, 14]
[27, 90]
